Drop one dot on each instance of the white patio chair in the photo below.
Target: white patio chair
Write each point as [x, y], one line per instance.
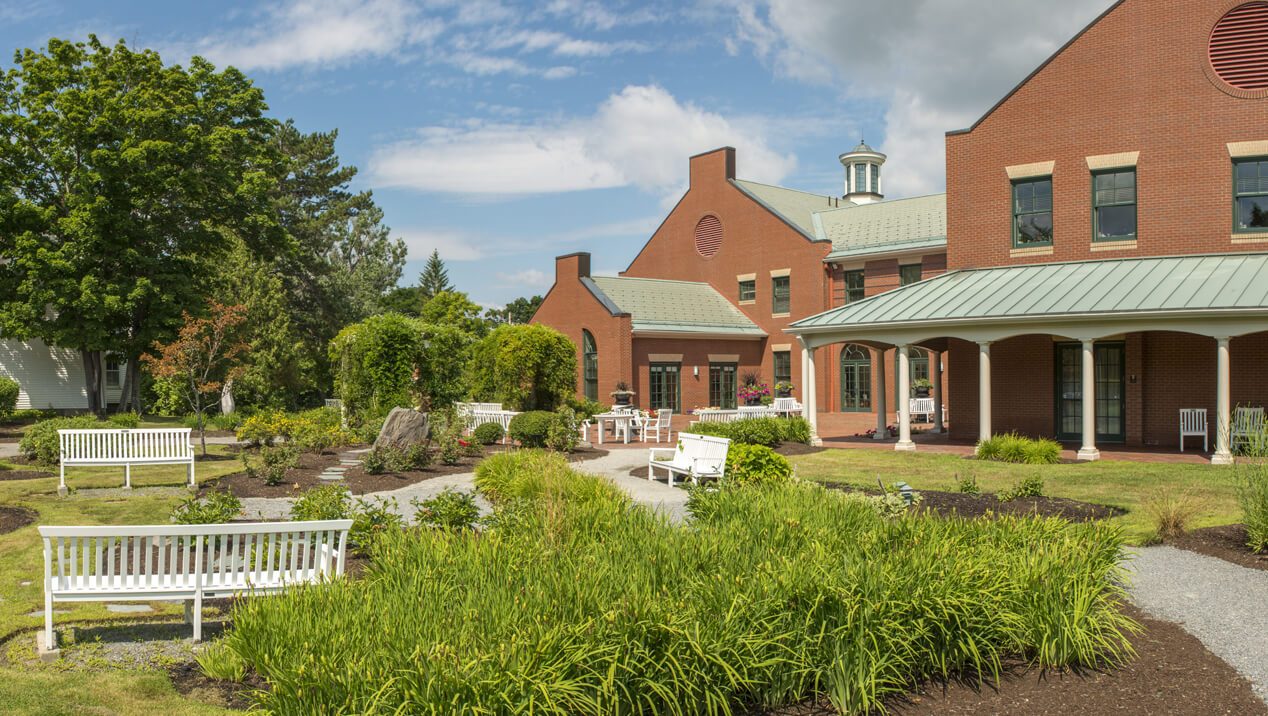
[1193, 424]
[649, 426]
[1248, 425]
[922, 407]
[788, 406]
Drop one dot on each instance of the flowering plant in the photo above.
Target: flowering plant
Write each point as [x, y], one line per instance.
[754, 391]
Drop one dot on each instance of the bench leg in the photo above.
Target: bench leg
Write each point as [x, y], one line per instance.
[198, 616]
[192, 482]
[189, 611]
[61, 484]
[127, 477]
[50, 642]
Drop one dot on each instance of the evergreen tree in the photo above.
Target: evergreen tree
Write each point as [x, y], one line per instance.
[434, 278]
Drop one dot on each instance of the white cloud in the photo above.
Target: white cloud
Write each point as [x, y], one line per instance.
[452, 245]
[528, 277]
[939, 64]
[320, 33]
[638, 137]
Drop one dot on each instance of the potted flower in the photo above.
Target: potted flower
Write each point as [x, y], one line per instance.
[922, 386]
[753, 390]
[622, 395]
[784, 389]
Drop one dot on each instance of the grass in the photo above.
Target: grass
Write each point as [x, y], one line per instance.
[30, 687]
[578, 603]
[1126, 485]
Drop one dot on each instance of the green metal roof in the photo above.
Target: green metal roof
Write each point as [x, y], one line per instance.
[1087, 288]
[885, 226]
[686, 307]
[795, 207]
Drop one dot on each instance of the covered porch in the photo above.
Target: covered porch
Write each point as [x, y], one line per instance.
[1107, 346]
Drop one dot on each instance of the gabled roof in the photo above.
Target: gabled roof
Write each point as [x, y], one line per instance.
[1141, 286]
[677, 307]
[796, 208]
[885, 226]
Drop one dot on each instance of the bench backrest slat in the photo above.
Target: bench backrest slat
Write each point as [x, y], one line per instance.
[125, 444]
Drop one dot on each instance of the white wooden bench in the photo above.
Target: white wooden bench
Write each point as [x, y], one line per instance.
[139, 446]
[185, 562]
[695, 456]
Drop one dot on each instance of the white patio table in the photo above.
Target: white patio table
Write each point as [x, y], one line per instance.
[620, 424]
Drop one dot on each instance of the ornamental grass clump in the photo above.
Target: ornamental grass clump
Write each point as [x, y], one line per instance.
[1014, 448]
[584, 603]
[1252, 495]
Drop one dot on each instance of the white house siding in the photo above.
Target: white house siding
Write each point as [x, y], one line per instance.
[50, 378]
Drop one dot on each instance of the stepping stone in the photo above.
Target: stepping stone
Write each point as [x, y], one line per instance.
[128, 608]
[330, 476]
[40, 612]
[24, 583]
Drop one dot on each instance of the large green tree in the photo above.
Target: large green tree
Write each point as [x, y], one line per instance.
[121, 179]
[517, 312]
[454, 308]
[344, 259]
[528, 367]
[435, 277]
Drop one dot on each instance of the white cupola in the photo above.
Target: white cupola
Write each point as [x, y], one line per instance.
[863, 174]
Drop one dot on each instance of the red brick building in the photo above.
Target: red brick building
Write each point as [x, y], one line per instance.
[1106, 223]
[735, 262]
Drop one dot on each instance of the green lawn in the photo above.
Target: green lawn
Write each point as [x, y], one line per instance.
[30, 687]
[1120, 484]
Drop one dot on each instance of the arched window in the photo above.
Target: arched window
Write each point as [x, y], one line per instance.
[589, 365]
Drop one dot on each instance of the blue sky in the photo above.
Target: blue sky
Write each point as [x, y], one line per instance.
[505, 133]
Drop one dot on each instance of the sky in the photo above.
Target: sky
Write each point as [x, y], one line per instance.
[503, 134]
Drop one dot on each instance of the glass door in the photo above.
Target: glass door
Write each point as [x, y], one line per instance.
[1109, 364]
[664, 389]
[723, 389]
[856, 380]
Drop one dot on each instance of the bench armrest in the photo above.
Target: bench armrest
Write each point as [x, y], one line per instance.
[651, 452]
[695, 466]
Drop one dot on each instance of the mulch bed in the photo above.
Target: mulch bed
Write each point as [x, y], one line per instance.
[949, 504]
[356, 479]
[12, 518]
[6, 475]
[191, 682]
[1171, 674]
[1226, 542]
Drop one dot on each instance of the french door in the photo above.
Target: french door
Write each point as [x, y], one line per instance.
[723, 389]
[1109, 364]
[856, 379]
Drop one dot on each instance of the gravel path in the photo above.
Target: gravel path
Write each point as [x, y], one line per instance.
[1224, 605]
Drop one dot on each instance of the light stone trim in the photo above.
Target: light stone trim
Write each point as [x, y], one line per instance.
[664, 357]
[1121, 160]
[1250, 238]
[781, 347]
[777, 273]
[746, 277]
[780, 315]
[749, 302]
[1026, 171]
[1237, 150]
[724, 357]
[1033, 251]
[1113, 246]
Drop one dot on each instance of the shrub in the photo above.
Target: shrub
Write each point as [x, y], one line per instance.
[563, 433]
[1030, 486]
[9, 390]
[371, 519]
[526, 367]
[416, 457]
[584, 408]
[779, 596]
[1014, 448]
[261, 428]
[1252, 495]
[274, 462]
[392, 459]
[759, 431]
[891, 505]
[796, 430]
[756, 465]
[530, 429]
[221, 663]
[537, 474]
[41, 444]
[487, 433]
[451, 510]
[967, 484]
[218, 507]
[327, 502]
[129, 421]
[375, 462]
[1171, 511]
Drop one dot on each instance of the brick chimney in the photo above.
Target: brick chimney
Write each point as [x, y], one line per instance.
[570, 267]
[715, 166]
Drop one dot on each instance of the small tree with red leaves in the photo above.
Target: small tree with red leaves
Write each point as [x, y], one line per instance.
[204, 355]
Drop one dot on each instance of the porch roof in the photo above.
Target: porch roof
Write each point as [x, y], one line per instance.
[682, 308]
[1106, 291]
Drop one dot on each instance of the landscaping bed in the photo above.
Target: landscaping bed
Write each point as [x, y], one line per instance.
[1226, 542]
[24, 475]
[14, 518]
[189, 681]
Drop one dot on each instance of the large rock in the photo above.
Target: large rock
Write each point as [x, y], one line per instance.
[404, 427]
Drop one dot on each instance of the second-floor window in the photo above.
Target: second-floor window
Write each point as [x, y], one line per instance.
[908, 273]
[854, 289]
[748, 290]
[1114, 205]
[1250, 195]
[781, 293]
[1032, 213]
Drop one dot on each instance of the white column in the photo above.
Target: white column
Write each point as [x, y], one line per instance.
[805, 372]
[878, 397]
[1088, 450]
[984, 390]
[811, 398]
[1223, 406]
[935, 375]
[904, 402]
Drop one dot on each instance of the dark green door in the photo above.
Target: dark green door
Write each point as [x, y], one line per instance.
[856, 379]
[1109, 369]
[722, 385]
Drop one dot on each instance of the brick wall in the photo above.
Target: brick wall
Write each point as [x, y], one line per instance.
[1135, 81]
[695, 358]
